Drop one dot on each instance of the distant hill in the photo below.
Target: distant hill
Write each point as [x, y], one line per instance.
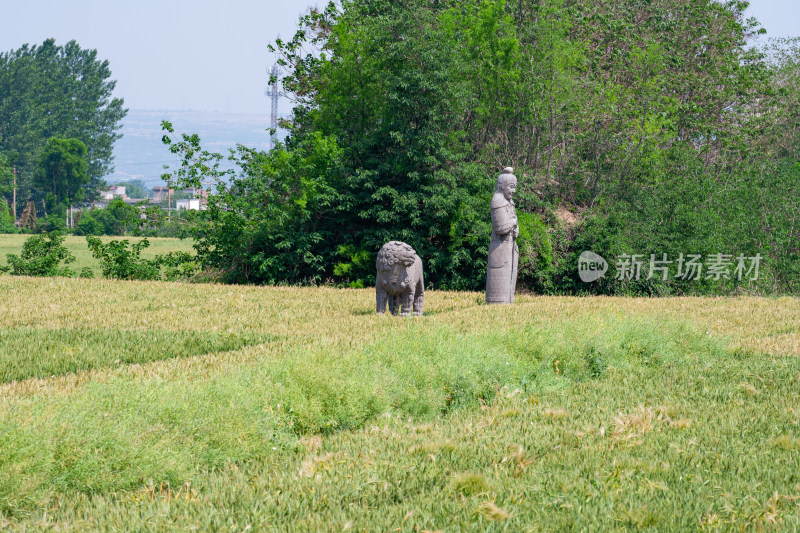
[139, 154]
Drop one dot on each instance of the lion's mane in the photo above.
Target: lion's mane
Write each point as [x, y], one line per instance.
[395, 252]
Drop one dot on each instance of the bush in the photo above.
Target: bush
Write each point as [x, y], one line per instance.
[42, 255]
[118, 218]
[121, 259]
[160, 227]
[535, 253]
[178, 266]
[54, 222]
[89, 224]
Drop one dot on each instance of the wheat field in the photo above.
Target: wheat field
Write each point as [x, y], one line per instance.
[154, 406]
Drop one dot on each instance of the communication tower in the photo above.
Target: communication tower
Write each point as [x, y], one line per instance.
[273, 92]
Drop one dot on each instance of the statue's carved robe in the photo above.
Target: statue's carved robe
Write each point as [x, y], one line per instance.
[501, 278]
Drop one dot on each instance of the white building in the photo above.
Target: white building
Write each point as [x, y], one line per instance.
[113, 192]
[192, 204]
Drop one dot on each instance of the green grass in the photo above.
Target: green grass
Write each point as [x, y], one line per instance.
[39, 353]
[552, 414]
[12, 244]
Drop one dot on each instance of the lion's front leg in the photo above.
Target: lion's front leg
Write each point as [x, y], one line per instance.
[380, 300]
[419, 297]
[418, 301]
[393, 304]
[407, 302]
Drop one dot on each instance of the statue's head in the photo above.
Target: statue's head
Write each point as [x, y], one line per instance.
[506, 183]
[393, 262]
[394, 252]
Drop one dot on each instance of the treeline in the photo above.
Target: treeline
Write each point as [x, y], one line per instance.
[58, 124]
[650, 133]
[116, 218]
[637, 129]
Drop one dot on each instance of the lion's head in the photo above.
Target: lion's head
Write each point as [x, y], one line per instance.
[394, 252]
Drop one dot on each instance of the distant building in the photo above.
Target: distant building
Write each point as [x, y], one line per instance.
[115, 191]
[192, 204]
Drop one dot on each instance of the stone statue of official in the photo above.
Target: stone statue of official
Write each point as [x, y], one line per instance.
[501, 278]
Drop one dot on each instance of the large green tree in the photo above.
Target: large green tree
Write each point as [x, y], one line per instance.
[587, 98]
[635, 127]
[57, 91]
[6, 176]
[6, 187]
[62, 171]
[584, 95]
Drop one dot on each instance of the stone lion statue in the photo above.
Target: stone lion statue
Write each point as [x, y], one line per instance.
[399, 280]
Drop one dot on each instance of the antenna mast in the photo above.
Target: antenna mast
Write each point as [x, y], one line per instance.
[273, 93]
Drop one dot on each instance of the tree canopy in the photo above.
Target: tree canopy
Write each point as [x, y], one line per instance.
[57, 91]
[62, 170]
[6, 176]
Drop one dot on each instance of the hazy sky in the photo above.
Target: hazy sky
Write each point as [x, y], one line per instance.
[167, 54]
[204, 55]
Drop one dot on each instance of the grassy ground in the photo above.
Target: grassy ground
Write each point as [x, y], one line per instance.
[155, 406]
[12, 244]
